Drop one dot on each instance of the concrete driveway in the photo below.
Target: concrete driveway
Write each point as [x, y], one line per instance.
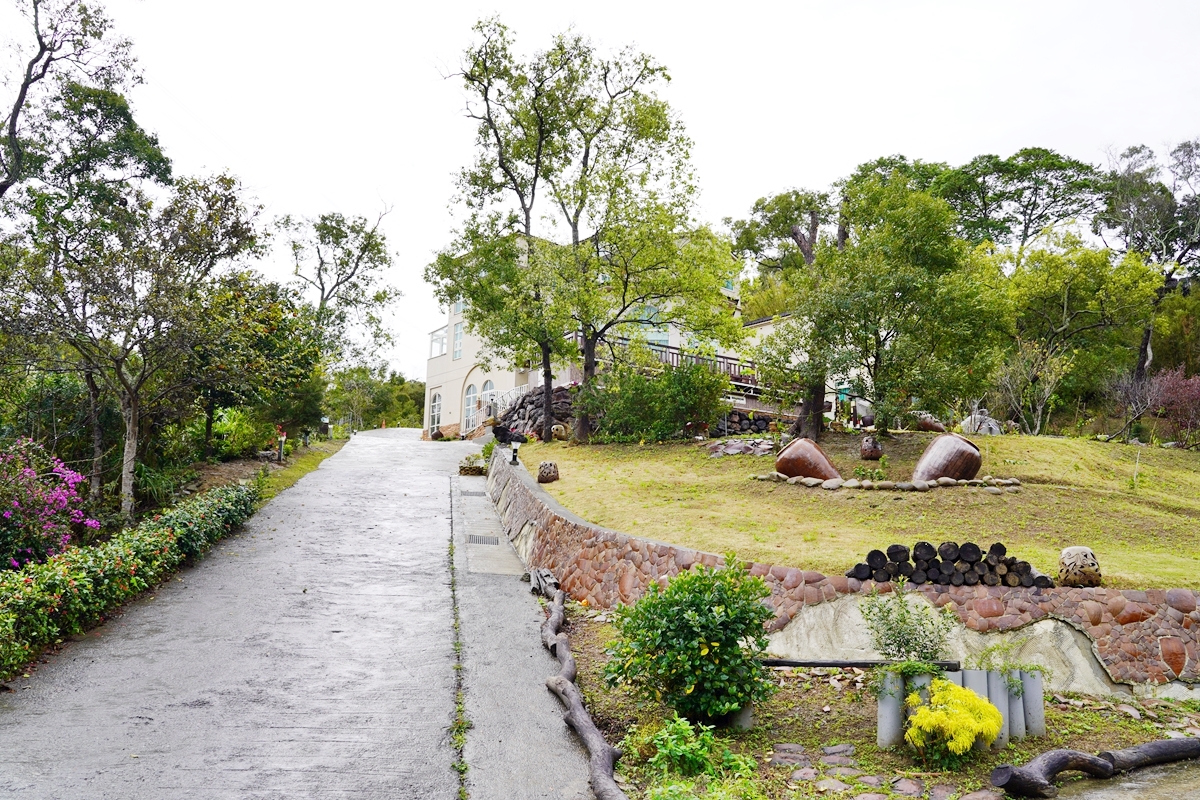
[308, 656]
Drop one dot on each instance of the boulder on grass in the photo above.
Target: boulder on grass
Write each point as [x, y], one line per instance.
[871, 449]
[1077, 566]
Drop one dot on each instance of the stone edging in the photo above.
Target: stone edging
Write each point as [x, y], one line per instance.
[1138, 636]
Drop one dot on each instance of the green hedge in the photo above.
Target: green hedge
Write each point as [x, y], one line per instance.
[42, 603]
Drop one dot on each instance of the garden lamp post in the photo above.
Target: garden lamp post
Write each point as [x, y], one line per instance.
[515, 446]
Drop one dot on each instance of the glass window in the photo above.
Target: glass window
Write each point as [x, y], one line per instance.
[458, 337]
[459, 306]
[435, 411]
[437, 343]
[488, 399]
[654, 330]
[470, 408]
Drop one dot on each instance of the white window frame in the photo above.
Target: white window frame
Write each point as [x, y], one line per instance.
[435, 411]
[459, 305]
[458, 341]
[470, 408]
[437, 343]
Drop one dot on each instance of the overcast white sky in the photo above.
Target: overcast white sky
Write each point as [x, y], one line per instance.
[343, 106]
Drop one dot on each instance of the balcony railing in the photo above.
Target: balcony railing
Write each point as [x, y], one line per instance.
[739, 371]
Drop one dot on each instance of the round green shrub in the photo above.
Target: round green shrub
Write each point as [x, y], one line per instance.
[695, 645]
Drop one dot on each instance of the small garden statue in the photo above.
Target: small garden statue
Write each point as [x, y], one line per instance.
[1077, 566]
[547, 472]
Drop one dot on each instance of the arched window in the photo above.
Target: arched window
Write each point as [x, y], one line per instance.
[470, 408]
[488, 396]
[435, 411]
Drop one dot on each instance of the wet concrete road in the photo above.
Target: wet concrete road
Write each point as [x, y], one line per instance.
[308, 656]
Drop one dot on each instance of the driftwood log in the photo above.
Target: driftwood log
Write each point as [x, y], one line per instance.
[1036, 779]
[1144, 755]
[601, 755]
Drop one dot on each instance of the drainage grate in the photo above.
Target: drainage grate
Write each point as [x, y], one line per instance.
[474, 494]
[474, 538]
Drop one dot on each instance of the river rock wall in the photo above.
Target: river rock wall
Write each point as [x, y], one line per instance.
[1113, 640]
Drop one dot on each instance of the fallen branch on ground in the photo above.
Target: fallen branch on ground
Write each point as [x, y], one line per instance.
[1036, 779]
[601, 755]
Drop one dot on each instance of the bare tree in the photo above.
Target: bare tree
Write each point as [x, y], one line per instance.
[1136, 396]
[1027, 382]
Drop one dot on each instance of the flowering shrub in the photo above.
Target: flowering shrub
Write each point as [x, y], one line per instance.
[40, 502]
[943, 730]
[72, 590]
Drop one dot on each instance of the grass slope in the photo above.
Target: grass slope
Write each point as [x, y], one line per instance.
[1076, 491]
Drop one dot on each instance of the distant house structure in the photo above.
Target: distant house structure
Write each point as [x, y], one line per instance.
[461, 393]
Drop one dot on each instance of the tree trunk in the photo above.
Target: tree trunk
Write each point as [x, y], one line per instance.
[813, 417]
[96, 479]
[1145, 355]
[547, 395]
[1162, 751]
[583, 422]
[130, 412]
[210, 411]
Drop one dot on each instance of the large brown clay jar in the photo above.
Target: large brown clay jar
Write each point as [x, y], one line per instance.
[949, 456]
[804, 458]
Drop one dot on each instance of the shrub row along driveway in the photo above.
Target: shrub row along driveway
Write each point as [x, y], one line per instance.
[308, 656]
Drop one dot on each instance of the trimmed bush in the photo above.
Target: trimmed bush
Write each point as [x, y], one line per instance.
[657, 404]
[695, 644]
[71, 591]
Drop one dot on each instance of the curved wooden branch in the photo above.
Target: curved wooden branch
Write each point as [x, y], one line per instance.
[1035, 779]
[601, 755]
[1160, 752]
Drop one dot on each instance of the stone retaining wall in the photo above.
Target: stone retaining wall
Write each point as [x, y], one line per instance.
[1139, 637]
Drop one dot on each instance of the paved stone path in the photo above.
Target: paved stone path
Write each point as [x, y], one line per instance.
[308, 656]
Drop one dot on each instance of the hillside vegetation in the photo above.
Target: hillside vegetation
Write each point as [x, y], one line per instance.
[1076, 492]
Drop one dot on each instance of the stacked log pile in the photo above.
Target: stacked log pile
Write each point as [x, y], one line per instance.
[526, 414]
[752, 422]
[949, 564]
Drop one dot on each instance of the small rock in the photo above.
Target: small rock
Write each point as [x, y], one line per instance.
[838, 750]
[885, 485]
[832, 484]
[844, 772]
[943, 791]
[839, 761]
[868, 485]
[986, 478]
[1012, 490]
[789, 747]
[982, 794]
[993, 490]
[1192, 731]
[909, 787]
[874, 781]
[920, 486]
[831, 785]
[963, 483]
[806, 774]
[778, 477]
[905, 486]
[853, 483]
[1130, 710]
[1175, 735]
[812, 482]
[944, 481]
[1014, 481]
[870, 796]
[790, 760]
[974, 482]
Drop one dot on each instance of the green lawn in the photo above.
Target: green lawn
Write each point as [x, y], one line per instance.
[1075, 492]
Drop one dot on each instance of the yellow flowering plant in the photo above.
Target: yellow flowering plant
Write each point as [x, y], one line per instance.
[944, 730]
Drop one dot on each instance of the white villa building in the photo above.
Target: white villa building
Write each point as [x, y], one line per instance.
[460, 392]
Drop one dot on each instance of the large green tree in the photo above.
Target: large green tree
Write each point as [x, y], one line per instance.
[781, 239]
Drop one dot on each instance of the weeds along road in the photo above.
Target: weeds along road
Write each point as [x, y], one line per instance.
[308, 655]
